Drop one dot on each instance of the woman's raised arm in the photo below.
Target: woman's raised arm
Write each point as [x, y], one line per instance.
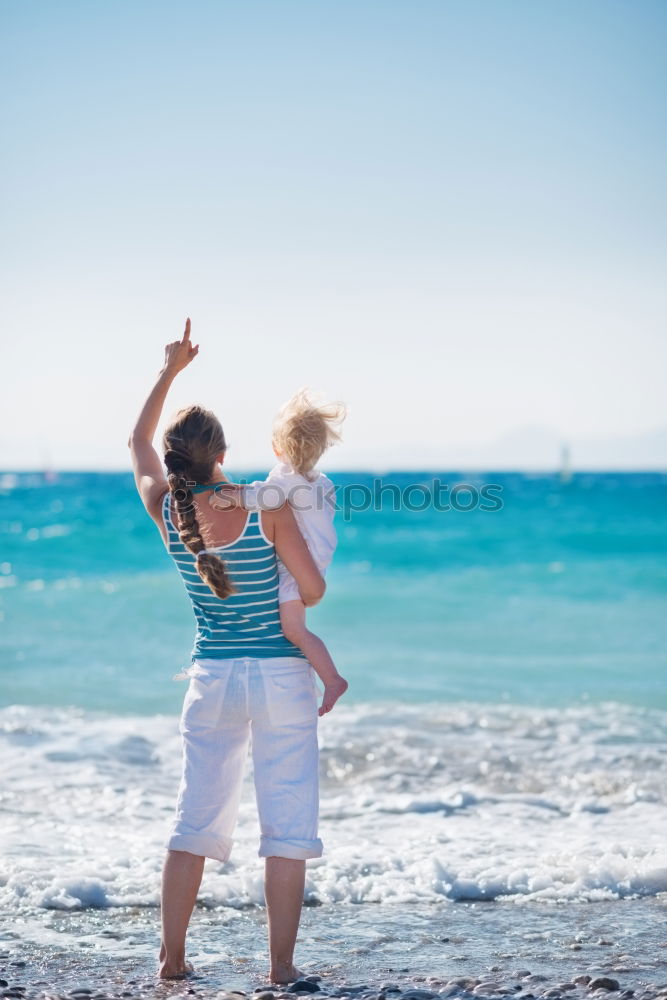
[148, 470]
[295, 554]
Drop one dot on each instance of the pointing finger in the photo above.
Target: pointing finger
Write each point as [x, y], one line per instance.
[186, 335]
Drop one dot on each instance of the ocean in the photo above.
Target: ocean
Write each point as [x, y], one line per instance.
[493, 783]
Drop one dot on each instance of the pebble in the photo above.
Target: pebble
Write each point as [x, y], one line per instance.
[522, 984]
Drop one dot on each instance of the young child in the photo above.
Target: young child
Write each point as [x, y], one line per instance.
[302, 432]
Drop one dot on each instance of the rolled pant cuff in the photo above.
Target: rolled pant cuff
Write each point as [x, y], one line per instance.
[295, 849]
[203, 844]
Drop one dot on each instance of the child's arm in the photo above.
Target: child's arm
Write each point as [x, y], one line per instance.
[295, 555]
[262, 494]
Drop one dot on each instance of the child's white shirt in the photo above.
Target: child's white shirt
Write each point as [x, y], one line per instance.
[314, 505]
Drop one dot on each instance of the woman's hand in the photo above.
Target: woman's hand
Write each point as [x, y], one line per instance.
[180, 353]
[148, 471]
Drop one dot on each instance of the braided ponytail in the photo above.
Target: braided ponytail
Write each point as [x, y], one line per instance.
[191, 443]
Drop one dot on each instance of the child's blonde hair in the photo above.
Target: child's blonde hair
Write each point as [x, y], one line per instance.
[304, 429]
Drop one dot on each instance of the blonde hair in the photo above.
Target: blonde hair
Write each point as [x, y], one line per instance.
[304, 429]
[192, 442]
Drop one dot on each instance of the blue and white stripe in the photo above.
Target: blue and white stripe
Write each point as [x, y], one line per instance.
[247, 623]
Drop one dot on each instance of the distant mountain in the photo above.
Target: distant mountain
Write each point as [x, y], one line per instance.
[535, 447]
[529, 447]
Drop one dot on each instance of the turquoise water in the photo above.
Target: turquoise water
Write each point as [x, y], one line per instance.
[558, 597]
[498, 767]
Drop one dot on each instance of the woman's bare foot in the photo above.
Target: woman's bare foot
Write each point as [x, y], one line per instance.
[168, 971]
[284, 973]
[332, 693]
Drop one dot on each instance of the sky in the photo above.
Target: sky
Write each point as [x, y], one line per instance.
[449, 214]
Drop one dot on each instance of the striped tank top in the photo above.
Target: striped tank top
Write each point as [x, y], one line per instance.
[247, 623]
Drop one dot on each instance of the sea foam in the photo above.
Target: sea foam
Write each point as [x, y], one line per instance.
[440, 803]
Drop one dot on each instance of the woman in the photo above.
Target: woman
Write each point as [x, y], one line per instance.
[247, 681]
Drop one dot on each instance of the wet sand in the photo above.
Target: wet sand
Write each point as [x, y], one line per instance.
[465, 951]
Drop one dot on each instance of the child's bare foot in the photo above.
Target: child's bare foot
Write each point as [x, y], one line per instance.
[284, 973]
[332, 693]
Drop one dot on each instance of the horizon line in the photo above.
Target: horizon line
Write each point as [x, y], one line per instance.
[541, 470]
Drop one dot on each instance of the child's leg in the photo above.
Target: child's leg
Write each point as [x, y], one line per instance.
[293, 623]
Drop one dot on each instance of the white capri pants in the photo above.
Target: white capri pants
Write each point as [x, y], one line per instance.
[273, 703]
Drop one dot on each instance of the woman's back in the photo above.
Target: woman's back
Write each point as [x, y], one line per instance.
[247, 623]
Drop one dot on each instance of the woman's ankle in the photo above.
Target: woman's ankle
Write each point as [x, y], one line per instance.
[284, 972]
[172, 960]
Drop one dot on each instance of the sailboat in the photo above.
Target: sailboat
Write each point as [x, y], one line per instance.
[565, 474]
[49, 474]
